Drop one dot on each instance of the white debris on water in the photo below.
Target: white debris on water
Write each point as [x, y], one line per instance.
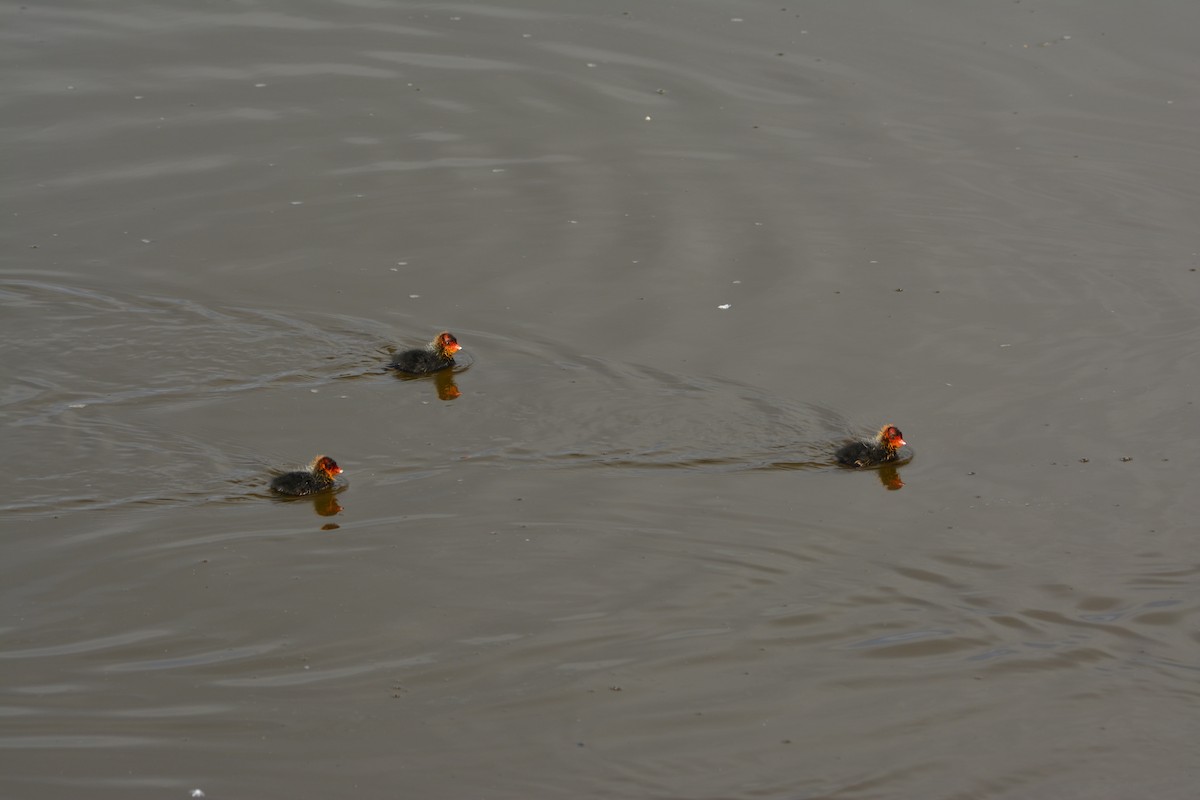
[724, 306]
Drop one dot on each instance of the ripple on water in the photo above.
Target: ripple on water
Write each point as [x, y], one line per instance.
[110, 385]
[157, 401]
[569, 410]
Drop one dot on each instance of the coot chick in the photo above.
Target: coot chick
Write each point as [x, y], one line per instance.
[317, 478]
[438, 354]
[879, 450]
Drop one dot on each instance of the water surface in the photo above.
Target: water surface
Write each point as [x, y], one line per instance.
[688, 248]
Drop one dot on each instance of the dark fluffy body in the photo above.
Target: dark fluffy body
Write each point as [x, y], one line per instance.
[421, 361]
[864, 454]
[319, 477]
[300, 483]
[873, 452]
[435, 356]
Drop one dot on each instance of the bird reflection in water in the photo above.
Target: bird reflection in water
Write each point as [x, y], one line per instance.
[326, 505]
[443, 383]
[447, 389]
[889, 476]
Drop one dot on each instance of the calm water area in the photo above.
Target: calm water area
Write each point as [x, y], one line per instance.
[688, 246]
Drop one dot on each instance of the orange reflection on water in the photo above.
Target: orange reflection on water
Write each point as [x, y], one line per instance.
[889, 476]
[443, 383]
[447, 389]
[326, 504]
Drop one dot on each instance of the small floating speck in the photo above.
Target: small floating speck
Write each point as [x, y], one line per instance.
[314, 391]
[147, 241]
[724, 306]
[737, 281]
[736, 19]
[139, 97]
[402, 263]
[647, 118]
[77, 405]
[296, 203]
[259, 85]
[197, 793]
[393, 269]
[414, 296]
[591, 65]
[499, 169]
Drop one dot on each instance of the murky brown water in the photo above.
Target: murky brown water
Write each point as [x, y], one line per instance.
[608, 556]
